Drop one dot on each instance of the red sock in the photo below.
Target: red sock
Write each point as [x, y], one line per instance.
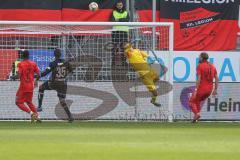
[194, 108]
[23, 107]
[32, 107]
[194, 103]
[198, 107]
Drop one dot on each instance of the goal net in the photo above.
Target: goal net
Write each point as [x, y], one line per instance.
[103, 85]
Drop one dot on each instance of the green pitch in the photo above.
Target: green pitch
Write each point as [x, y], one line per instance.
[119, 141]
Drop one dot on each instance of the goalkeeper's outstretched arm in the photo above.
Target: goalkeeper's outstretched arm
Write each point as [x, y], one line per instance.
[144, 54]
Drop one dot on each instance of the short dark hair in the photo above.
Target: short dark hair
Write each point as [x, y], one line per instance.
[204, 56]
[57, 53]
[120, 1]
[25, 54]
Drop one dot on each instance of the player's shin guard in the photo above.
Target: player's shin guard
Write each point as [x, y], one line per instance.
[40, 98]
[66, 109]
[23, 107]
[193, 106]
[195, 109]
[153, 99]
[32, 107]
[70, 118]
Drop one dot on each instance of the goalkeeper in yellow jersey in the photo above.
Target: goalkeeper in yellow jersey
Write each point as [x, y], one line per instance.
[148, 75]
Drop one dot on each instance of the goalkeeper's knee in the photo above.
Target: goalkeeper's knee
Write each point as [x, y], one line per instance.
[152, 88]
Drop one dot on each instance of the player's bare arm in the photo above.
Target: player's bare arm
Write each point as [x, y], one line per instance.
[45, 72]
[198, 81]
[144, 54]
[215, 85]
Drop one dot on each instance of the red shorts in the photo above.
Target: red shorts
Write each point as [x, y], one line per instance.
[22, 97]
[200, 95]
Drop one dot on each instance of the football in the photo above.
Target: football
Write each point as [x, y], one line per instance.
[93, 6]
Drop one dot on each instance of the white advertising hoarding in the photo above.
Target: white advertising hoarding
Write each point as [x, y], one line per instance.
[185, 63]
[125, 101]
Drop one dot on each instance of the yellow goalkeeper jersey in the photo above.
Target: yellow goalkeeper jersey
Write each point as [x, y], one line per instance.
[137, 59]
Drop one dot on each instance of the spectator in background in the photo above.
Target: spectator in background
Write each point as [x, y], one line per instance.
[119, 33]
[15, 64]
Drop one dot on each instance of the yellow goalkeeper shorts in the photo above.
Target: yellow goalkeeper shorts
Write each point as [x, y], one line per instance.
[149, 80]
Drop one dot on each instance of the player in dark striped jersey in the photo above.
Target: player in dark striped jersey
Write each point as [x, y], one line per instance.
[59, 69]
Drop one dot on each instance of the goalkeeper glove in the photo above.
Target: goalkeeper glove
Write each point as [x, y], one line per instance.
[150, 60]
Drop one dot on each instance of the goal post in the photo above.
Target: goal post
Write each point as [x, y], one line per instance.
[103, 85]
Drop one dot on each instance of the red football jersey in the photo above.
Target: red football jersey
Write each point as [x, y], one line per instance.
[207, 72]
[26, 70]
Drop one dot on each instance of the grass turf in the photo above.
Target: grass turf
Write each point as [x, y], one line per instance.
[119, 141]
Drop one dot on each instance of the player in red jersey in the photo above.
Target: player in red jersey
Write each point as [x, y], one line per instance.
[206, 73]
[26, 71]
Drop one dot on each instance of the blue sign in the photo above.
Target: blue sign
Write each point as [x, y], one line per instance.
[42, 58]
